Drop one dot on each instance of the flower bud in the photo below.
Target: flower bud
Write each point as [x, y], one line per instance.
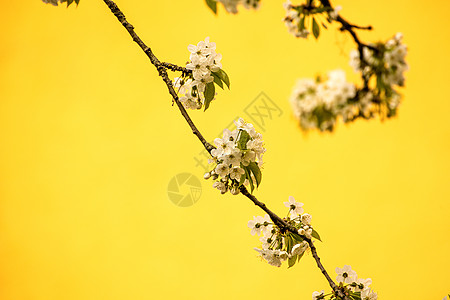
[235, 191]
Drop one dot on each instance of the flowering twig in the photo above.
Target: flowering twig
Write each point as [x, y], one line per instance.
[161, 67]
[282, 224]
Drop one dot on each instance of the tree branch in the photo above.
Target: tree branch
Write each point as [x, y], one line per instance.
[161, 67]
[173, 67]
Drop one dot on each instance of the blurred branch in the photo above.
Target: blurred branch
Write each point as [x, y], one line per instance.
[349, 27]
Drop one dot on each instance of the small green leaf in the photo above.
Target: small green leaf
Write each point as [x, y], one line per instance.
[297, 237]
[287, 242]
[355, 295]
[380, 83]
[315, 235]
[210, 92]
[315, 28]
[256, 172]
[300, 255]
[68, 2]
[320, 10]
[244, 137]
[217, 79]
[241, 181]
[224, 77]
[301, 24]
[291, 261]
[212, 5]
[250, 180]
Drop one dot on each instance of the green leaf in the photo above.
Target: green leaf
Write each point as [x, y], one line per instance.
[380, 83]
[244, 137]
[256, 172]
[210, 92]
[297, 237]
[241, 181]
[315, 28]
[355, 295]
[211, 4]
[315, 235]
[320, 10]
[291, 261]
[250, 180]
[300, 256]
[287, 242]
[224, 77]
[301, 24]
[68, 2]
[217, 79]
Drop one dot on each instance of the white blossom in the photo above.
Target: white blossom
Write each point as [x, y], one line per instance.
[220, 186]
[259, 224]
[346, 274]
[368, 294]
[273, 257]
[233, 158]
[295, 208]
[231, 5]
[222, 169]
[362, 284]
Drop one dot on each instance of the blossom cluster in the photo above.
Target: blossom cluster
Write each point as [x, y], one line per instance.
[294, 22]
[387, 59]
[237, 158]
[356, 288]
[298, 17]
[318, 103]
[231, 5]
[281, 245]
[385, 63]
[196, 88]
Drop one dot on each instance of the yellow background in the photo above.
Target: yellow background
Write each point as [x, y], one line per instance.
[89, 142]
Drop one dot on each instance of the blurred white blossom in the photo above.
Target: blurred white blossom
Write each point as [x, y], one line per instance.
[231, 6]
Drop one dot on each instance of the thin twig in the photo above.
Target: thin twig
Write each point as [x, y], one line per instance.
[161, 70]
[161, 67]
